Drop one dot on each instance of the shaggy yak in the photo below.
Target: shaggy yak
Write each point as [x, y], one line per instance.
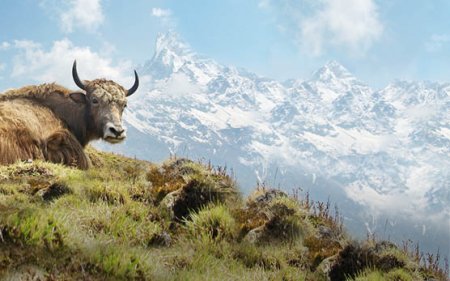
[52, 123]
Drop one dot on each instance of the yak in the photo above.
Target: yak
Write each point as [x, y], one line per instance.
[52, 123]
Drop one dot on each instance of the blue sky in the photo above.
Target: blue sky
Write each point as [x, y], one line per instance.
[378, 41]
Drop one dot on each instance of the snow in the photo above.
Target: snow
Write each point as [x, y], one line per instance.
[327, 126]
[348, 141]
[445, 132]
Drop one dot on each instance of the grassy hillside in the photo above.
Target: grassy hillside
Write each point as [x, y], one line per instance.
[181, 220]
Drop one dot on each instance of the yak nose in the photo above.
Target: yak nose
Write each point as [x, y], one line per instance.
[116, 130]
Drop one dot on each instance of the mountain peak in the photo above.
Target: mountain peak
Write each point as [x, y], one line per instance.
[335, 65]
[171, 53]
[332, 70]
[171, 41]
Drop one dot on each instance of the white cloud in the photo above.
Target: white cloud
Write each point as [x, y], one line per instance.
[87, 14]
[419, 183]
[318, 25]
[165, 17]
[75, 14]
[158, 12]
[437, 42]
[4, 45]
[264, 4]
[35, 63]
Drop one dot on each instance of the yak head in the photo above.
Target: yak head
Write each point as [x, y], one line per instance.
[105, 102]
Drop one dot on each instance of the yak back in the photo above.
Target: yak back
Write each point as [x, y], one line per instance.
[70, 114]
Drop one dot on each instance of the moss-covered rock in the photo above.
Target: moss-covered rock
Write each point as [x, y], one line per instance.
[270, 216]
[190, 187]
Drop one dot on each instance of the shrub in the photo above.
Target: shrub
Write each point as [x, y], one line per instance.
[214, 222]
[171, 176]
[320, 249]
[199, 192]
[281, 219]
[287, 221]
[352, 259]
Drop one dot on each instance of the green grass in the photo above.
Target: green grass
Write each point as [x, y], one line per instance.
[126, 219]
[212, 223]
[399, 274]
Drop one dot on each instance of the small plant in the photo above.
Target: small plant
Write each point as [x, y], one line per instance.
[399, 274]
[100, 191]
[33, 227]
[133, 172]
[251, 256]
[213, 222]
[430, 264]
[118, 263]
[321, 215]
[377, 275]
[370, 275]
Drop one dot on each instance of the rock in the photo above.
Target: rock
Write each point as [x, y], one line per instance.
[326, 265]
[161, 239]
[383, 246]
[27, 273]
[195, 195]
[179, 168]
[169, 201]
[54, 191]
[351, 260]
[192, 197]
[254, 235]
[388, 262]
[325, 232]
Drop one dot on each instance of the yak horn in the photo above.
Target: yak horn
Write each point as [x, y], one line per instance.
[135, 86]
[75, 76]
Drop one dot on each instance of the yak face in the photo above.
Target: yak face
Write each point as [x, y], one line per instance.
[105, 102]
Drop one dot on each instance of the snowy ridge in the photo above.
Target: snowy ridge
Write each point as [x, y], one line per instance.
[386, 150]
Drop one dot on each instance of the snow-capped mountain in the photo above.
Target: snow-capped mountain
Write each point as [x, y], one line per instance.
[383, 154]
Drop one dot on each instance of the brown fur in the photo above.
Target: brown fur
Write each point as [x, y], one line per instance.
[44, 122]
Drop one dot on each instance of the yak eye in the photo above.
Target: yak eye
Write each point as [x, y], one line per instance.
[94, 101]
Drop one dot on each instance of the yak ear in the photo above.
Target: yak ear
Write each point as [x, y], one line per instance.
[78, 97]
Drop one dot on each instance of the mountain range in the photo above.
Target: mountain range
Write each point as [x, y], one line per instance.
[381, 155]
